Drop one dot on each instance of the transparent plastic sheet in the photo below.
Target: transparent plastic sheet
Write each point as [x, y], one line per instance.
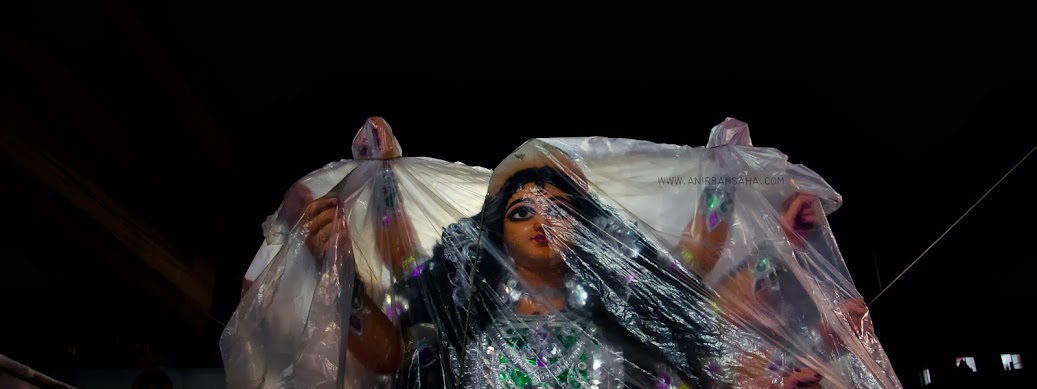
[780, 308]
[752, 226]
[792, 286]
[592, 263]
[277, 226]
[342, 227]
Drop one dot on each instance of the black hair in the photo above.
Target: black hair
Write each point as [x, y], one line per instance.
[675, 336]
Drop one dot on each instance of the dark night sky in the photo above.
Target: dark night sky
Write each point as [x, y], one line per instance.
[198, 122]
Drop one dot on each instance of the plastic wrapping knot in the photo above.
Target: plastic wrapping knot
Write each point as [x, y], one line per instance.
[731, 132]
[375, 140]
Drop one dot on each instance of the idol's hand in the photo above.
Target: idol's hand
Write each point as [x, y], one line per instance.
[803, 377]
[294, 202]
[321, 225]
[753, 373]
[800, 215]
[855, 312]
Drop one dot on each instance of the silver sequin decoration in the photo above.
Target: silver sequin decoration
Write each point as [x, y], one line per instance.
[497, 357]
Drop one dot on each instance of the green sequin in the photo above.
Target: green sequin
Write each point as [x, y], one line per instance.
[573, 377]
[390, 199]
[567, 341]
[762, 265]
[519, 378]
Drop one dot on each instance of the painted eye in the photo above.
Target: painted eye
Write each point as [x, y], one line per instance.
[520, 214]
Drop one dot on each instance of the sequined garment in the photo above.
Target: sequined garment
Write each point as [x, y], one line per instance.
[526, 351]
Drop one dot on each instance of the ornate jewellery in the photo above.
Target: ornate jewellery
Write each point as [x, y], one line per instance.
[717, 201]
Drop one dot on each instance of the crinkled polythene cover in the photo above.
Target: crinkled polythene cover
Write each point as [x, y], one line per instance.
[375, 141]
[287, 330]
[582, 263]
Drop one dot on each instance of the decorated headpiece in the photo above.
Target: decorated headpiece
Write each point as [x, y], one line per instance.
[536, 153]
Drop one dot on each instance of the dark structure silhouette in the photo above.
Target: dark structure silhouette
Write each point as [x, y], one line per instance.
[152, 379]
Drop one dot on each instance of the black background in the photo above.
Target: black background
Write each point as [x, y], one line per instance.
[198, 121]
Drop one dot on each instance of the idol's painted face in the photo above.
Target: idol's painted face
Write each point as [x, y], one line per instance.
[538, 226]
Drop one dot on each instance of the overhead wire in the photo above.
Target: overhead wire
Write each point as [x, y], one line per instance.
[951, 227]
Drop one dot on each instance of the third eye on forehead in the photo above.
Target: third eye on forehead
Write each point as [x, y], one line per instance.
[546, 201]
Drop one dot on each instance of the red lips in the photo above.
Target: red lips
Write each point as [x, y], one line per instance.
[539, 239]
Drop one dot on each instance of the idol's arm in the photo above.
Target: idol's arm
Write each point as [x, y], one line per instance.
[372, 337]
[395, 236]
[703, 238]
[802, 216]
[737, 295]
[702, 243]
[744, 293]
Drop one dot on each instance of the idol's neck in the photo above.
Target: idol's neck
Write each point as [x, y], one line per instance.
[542, 279]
